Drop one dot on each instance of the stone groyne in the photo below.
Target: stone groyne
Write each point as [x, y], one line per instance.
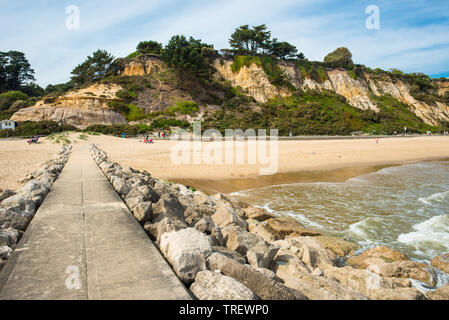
[17, 208]
[224, 249]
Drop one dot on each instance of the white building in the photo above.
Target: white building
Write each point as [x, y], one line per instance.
[8, 124]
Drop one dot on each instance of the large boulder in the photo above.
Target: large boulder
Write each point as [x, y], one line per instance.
[387, 262]
[120, 185]
[168, 207]
[371, 284]
[260, 284]
[158, 228]
[441, 293]
[216, 236]
[162, 189]
[187, 251]
[227, 217]
[289, 259]
[281, 227]
[143, 211]
[210, 285]
[312, 252]
[338, 246]
[34, 190]
[13, 219]
[385, 253]
[314, 286]
[195, 213]
[201, 198]
[9, 237]
[441, 262]
[258, 214]
[260, 229]
[205, 225]
[6, 194]
[261, 255]
[5, 252]
[18, 203]
[241, 241]
[230, 253]
[186, 200]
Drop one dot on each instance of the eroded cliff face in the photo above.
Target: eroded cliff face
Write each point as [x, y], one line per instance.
[79, 108]
[142, 67]
[358, 92]
[88, 106]
[253, 80]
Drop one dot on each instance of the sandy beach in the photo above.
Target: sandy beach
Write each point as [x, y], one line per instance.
[297, 160]
[18, 159]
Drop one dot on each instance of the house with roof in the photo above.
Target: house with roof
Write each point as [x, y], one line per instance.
[8, 125]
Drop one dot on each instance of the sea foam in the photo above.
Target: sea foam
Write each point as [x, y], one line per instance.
[430, 235]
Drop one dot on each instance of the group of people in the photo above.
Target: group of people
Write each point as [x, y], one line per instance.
[160, 134]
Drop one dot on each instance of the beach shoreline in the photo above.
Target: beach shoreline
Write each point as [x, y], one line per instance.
[234, 185]
[313, 159]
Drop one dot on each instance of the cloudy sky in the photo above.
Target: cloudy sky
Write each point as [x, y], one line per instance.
[413, 34]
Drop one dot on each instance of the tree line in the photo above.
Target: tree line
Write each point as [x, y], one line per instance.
[15, 71]
[187, 57]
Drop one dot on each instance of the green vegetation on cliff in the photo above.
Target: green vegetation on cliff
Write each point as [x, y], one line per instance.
[41, 128]
[318, 113]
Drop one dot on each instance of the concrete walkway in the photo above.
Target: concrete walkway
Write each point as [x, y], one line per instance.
[84, 225]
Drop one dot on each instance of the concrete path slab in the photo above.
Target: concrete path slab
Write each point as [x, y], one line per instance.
[84, 225]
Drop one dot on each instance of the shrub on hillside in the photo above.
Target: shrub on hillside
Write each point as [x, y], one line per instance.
[341, 57]
[184, 107]
[8, 98]
[41, 128]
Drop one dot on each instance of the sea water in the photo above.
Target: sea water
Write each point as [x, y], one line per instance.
[404, 207]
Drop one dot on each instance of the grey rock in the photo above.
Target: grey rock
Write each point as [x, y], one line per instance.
[9, 237]
[260, 284]
[230, 253]
[216, 237]
[210, 285]
[34, 190]
[168, 208]
[5, 252]
[241, 240]
[13, 219]
[205, 225]
[18, 203]
[157, 229]
[6, 194]
[187, 251]
[261, 255]
[226, 217]
[120, 185]
[143, 211]
[132, 202]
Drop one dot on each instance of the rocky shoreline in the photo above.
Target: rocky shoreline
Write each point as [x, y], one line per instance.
[17, 208]
[224, 249]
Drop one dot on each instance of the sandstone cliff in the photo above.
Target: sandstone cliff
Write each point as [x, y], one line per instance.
[87, 106]
[358, 92]
[79, 108]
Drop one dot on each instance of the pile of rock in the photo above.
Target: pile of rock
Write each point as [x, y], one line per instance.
[17, 208]
[222, 249]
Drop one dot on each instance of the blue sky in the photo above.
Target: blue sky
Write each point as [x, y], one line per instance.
[413, 35]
